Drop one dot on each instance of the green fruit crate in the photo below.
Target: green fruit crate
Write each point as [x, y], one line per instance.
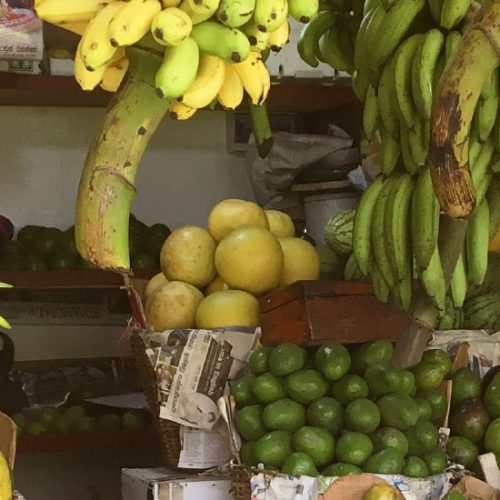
[312, 312]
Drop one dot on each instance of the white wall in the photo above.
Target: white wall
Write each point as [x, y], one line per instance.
[184, 172]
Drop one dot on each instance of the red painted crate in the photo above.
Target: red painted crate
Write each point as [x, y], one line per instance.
[311, 312]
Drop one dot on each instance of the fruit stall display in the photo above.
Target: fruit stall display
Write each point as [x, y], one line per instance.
[335, 412]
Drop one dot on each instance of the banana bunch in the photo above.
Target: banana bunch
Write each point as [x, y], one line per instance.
[212, 50]
[3, 322]
[396, 52]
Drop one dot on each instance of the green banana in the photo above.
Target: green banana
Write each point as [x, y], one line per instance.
[410, 166]
[360, 85]
[178, 69]
[438, 71]
[403, 60]
[370, 5]
[493, 197]
[452, 40]
[396, 227]
[424, 220]
[270, 14]
[452, 12]
[377, 233]
[394, 27]
[419, 140]
[390, 151]
[483, 161]
[458, 283]
[258, 39]
[423, 68]
[486, 114]
[475, 147]
[483, 187]
[303, 10]
[336, 49]
[387, 100]
[362, 225]
[433, 281]
[388, 4]
[402, 293]
[490, 88]
[435, 7]
[380, 286]
[476, 242]
[370, 114]
[235, 14]
[311, 34]
[218, 40]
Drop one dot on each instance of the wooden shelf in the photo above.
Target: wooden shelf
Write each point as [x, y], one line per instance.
[93, 441]
[290, 95]
[78, 279]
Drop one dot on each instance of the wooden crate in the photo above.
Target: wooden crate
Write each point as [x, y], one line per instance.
[310, 312]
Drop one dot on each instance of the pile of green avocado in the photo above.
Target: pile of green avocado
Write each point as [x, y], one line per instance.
[39, 248]
[334, 411]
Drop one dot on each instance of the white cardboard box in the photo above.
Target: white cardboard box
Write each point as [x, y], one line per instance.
[164, 484]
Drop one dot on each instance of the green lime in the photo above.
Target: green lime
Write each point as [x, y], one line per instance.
[492, 437]
[84, 424]
[286, 359]
[422, 437]
[249, 423]
[62, 260]
[241, 390]
[438, 403]
[273, 448]
[34, 262]
[259, 360]
[362, 415]
[370, 354]
[268, 388]
[340, 469]
[28, 235]
[462, 451]
[34, 429]
[144, 261]
[349, 388]
[436, 461]
[454, 495]
[326, 413]
[438, 356]
[492, 397]
[318, 443]
[415, 467]
[398, 411]
[299, 464]
[428, 375]
[108, 423]
[388, 461]
[305, 386]
[12, 263]
[284, 415]
[48, 242]
[333, 361]
[466, 385]
[424, 409]
[387, 437]
[353, 448]
[12, 249]
[247, 454]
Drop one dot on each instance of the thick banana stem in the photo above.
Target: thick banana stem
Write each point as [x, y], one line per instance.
[453, 110]
[107, 186]
[261, 129]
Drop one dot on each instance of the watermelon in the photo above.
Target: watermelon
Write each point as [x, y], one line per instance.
[331, 265]
[447, 322]
[352, 270]
[482, 312]
[338, 232]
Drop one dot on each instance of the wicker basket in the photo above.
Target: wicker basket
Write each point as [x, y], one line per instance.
[169, 432]
[240, 483]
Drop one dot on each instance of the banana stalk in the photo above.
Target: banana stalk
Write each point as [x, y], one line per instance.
[453, 109]
[107, 185]
[261, 128]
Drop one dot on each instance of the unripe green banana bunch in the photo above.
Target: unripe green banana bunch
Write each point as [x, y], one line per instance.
[212, 49]
[3, 322]
[399, 51]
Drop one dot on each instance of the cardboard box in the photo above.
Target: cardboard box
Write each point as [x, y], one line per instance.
[24, 66]
[163, 484]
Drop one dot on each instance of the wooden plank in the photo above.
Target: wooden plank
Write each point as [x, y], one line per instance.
[77, 279]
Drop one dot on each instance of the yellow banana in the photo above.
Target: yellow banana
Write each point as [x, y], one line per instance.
[78, 28]
[252, 72]
[199, 10]
[6, 325]
[270, 14]
[133, 22]
[179, 111]
[114, 75]
[170, 3]
[69, 11]
[89, 80]
[279, 38]
[207, 83]
[258, 39]
[95, 47]
[232, 91]
[171, 26]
